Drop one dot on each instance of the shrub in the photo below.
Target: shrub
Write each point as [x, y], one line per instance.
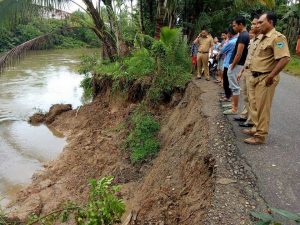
[102, 208]
[142, 140]
[140, 64]
[87, 85]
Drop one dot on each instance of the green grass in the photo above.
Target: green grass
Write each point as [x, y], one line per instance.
[142, 140]
[294, 66]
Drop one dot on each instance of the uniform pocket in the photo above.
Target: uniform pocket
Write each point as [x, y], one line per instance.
[265, 50]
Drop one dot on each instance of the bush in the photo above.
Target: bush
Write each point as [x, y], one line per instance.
[166, 62]
[103, 208]
[140, 64]
[142, 140]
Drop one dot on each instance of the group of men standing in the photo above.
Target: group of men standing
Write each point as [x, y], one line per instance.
[252, 60]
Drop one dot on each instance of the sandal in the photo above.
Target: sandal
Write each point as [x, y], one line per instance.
[230, 112]
[224, 99]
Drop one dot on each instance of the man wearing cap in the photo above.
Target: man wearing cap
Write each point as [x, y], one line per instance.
[269, 58]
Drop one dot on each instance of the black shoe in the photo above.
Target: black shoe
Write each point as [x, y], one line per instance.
[245, 124]
[240, 119]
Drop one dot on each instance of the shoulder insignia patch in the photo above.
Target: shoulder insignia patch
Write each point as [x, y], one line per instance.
[280, 44]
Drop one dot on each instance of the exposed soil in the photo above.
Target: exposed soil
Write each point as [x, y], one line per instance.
[174, 188]
[197, 178]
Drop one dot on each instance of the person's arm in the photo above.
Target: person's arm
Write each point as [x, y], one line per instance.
[282, 55]
[281, 63]
[240, 74]
[226, 48]
[238, 55]
[196, 41]
[211, 46]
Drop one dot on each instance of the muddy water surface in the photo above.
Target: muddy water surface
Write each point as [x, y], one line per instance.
[42, 79]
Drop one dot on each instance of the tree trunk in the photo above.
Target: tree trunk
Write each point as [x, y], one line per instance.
[141, 16]
[159, 18]
[292, 32]
[109, 44]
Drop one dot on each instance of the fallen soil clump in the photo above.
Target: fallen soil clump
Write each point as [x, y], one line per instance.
[49, 117]
[192, 180]
[174, 188]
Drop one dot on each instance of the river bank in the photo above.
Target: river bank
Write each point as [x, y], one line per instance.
[40, 80]
[184, 184]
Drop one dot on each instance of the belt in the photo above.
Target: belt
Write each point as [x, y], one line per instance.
[257, 74]
[203, 52]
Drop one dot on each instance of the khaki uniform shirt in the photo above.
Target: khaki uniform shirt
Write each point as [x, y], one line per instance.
[251, 49]
[269, 49]
[205, 44]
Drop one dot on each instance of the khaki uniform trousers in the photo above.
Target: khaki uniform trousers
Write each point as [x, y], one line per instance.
[202, 62]
[246, 75]
[260, 102]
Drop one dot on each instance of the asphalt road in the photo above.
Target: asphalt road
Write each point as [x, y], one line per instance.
[277, 163]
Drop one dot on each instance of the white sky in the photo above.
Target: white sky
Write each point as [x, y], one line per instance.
[73, 7]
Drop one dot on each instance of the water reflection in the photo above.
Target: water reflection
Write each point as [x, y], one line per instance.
[39, 81]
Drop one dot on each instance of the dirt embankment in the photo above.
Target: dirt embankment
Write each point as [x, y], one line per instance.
[174, 188]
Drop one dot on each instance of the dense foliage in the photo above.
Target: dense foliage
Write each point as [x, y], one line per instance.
[64, 36]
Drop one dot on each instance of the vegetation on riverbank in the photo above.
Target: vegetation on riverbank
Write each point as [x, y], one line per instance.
[142, 141]
[162, 65]
[65, 35]
[294, 66]
[104, 207]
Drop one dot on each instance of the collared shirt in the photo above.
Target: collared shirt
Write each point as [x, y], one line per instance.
[270, 48]
[228, 49]
[205, 43]
[251, 48]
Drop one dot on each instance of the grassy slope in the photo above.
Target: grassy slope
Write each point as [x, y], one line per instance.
[294, 66]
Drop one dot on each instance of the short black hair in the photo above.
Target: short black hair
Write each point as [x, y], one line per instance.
[271, 16]
[225, 31]
[231, 30]
[240, 20]
[255, 16]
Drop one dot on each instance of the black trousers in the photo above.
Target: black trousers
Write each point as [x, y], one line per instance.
[227, 90]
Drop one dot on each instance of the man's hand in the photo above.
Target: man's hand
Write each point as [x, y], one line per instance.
[269, 81]
[239, 76]
[232, 67]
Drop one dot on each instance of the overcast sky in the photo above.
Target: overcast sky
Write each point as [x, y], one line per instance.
[73, 7]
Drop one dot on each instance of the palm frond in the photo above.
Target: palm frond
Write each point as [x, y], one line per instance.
[15, 54]
[268, 3]
[13, 11]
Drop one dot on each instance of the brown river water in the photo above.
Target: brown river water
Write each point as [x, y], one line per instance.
[41, 79]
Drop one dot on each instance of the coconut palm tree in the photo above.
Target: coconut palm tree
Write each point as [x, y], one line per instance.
[13, 10]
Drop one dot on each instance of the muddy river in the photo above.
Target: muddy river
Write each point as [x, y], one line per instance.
[40, 80]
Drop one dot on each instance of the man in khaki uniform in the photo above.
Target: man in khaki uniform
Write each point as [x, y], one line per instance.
[245, 115]
[269, 58]
[205, 43]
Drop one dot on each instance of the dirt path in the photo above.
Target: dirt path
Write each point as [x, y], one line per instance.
[236, 192]
[197, 177]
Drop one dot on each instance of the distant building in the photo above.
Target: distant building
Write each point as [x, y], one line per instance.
[56, 14]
